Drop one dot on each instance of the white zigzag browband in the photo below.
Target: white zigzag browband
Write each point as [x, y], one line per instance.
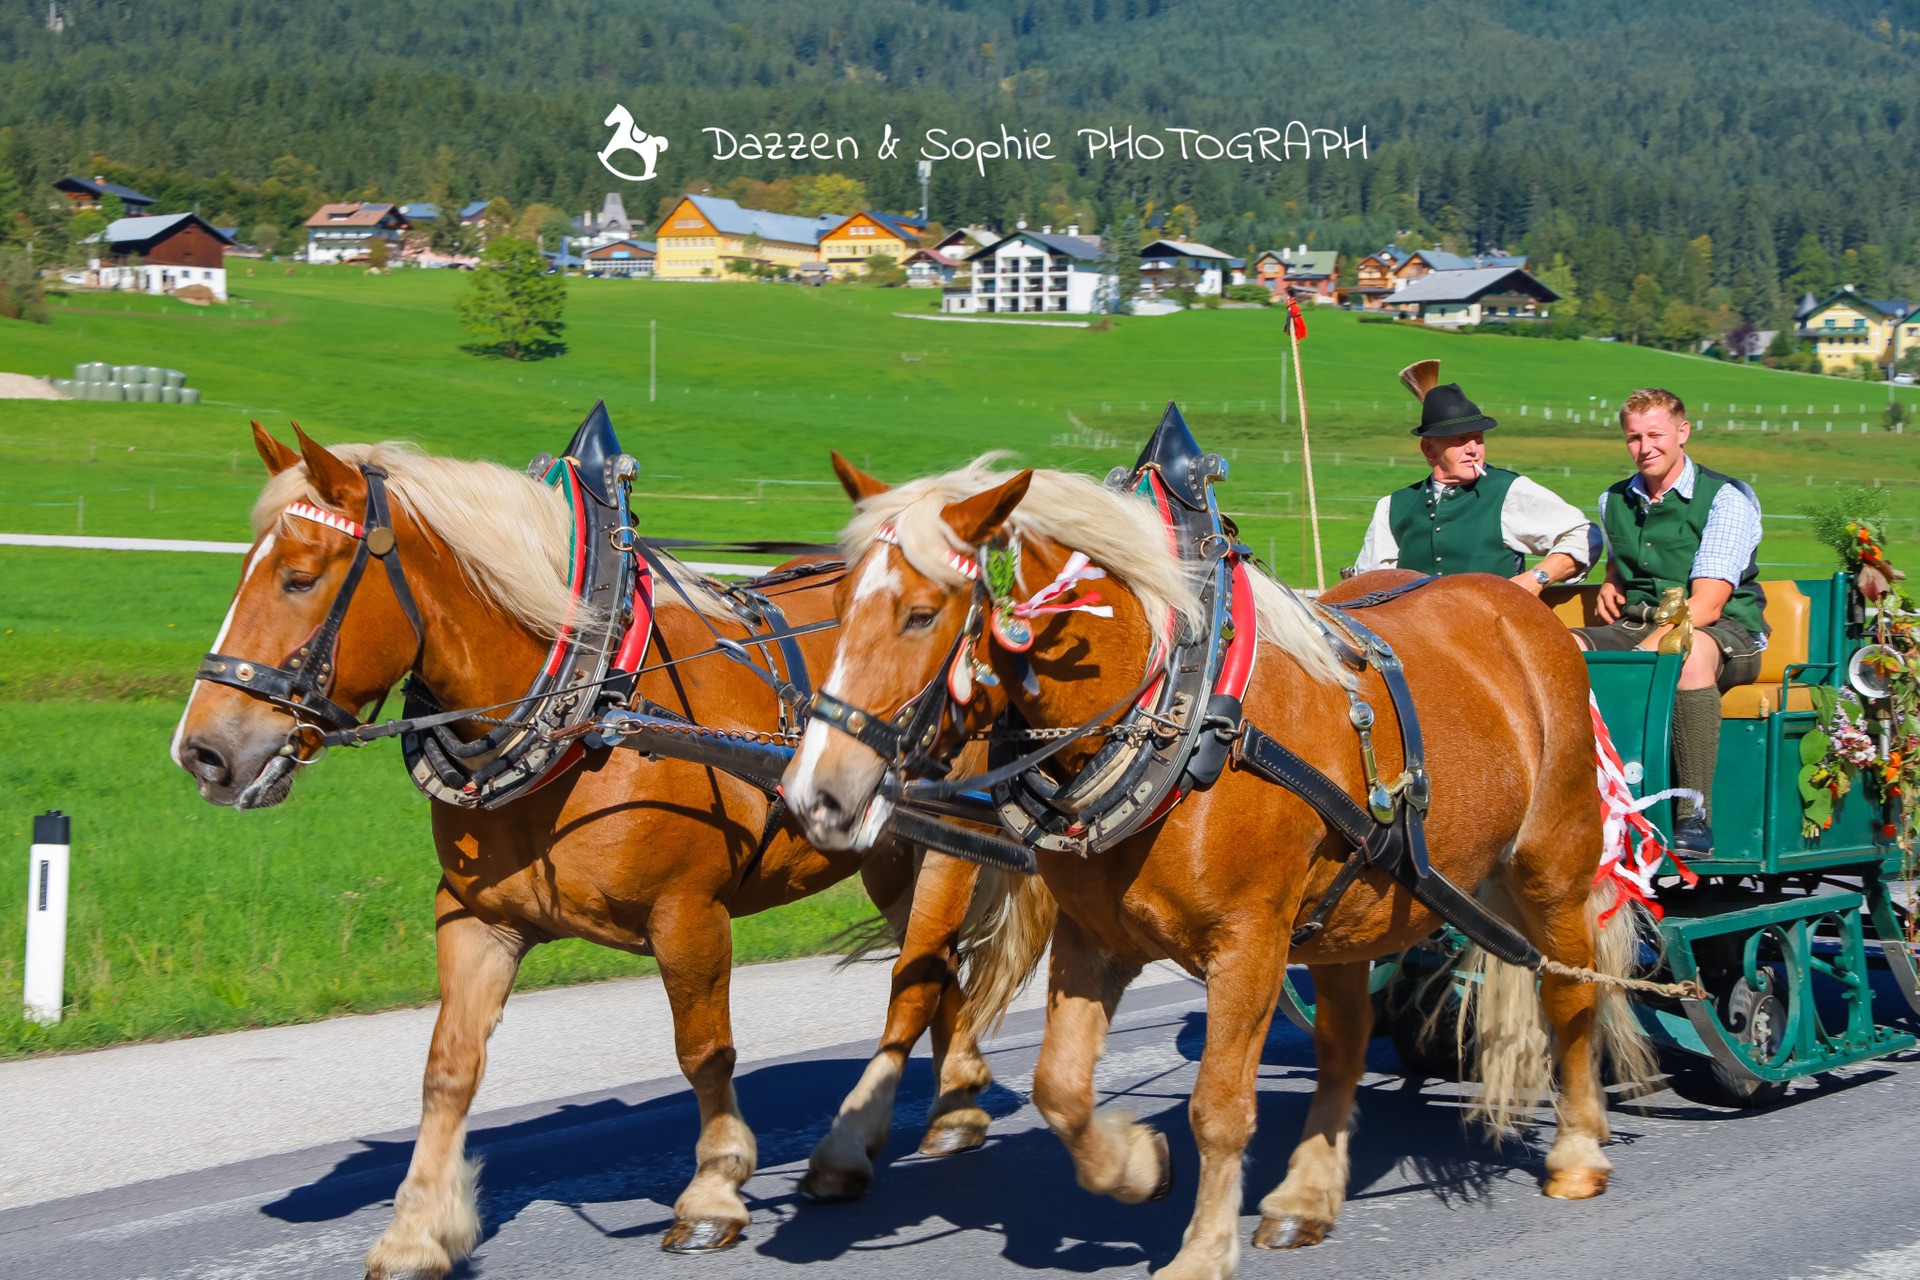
[966, 566]
[307, 511]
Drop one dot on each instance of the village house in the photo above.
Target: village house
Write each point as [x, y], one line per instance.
[1301, 272]
[472, 212]
[960, 244]
[1165, 264]
[848, 247]
[160, 254]
[610, 226]
[347, 231]
[87, 194]
[1847, 327]
[929, 267]
[1032, 271]
[1452, 298]
[1421, 263]
[628, 259]
[703, 237]
[1373, 278]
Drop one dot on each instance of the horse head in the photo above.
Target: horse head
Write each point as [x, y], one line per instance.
[240, 747]
[620, 116]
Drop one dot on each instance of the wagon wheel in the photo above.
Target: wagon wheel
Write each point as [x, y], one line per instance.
[1409, 999]
[1758, 1020]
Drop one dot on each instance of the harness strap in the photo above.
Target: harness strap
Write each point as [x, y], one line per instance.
[1384, 846]
[732, 648]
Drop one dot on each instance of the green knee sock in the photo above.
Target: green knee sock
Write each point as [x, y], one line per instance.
[1696, 745]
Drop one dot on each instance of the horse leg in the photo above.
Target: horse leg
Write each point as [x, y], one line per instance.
[1304, 1207]
[693, 941]
[435, 1217]
[955, 1121]
[841, 1166]
[1112, 1153]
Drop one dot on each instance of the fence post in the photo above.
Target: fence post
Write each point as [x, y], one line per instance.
[47, 870]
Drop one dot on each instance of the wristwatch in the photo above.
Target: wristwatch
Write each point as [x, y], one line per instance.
[1542, 577]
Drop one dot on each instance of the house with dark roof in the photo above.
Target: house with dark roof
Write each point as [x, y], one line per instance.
[627, 259]
[1845, 328]
[1422, 263]
[160, 254]
[471, 212]
[420, 211]
[847, 248]
[709, 237]
[1034, 271]
[1168, 264]
[86, 194]
[1475, 295]
[1302, 272]
[346, 231]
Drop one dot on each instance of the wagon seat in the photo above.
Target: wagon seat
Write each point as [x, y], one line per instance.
[1789, 614]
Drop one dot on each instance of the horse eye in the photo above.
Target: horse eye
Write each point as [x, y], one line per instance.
[296, 584]
[919, 619]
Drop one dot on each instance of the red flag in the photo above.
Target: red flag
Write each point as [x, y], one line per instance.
[1295, 319]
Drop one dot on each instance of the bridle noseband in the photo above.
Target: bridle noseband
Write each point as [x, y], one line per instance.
[301, 683]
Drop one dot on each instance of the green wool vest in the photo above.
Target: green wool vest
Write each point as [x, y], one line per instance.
[1653, 546]
[1456, 534]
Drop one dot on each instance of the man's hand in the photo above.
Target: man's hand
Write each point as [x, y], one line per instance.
[1611, 602]
[1527, 580]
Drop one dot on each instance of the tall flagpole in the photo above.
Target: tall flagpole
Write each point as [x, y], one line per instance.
[1297, 329]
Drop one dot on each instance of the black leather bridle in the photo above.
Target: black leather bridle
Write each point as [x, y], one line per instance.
[300, 685]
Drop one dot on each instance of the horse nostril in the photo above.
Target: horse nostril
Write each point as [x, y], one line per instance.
[825, 812]
[204, 762]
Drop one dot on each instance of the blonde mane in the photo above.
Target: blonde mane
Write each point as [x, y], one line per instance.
[1119, 532]
[508, 532]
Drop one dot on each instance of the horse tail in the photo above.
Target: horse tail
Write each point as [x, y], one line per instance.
[1501, 1022]
[1006, 935]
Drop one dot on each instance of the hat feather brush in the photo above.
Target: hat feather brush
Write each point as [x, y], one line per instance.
[1421, 377]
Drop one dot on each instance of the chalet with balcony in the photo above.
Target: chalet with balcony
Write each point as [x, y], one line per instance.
[1301, 272]
[346, 232]
[1034, 271]
[1169, 264]
[87, 193]
[927, 268]
[624, 259]
[1847, 327]
[1477, 295]
[1373, 278]
[847, 248]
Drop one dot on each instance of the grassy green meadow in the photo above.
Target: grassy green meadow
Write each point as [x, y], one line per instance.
[187, 918]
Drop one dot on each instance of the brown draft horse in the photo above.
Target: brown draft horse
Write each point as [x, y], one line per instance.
[1219, 885]
[649, 857]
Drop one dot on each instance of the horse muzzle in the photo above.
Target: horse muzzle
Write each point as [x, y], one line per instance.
[236, 776]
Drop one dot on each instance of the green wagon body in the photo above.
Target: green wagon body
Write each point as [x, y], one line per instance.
[1775, 912]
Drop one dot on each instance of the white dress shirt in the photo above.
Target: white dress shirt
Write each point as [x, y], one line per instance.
[1534, 521]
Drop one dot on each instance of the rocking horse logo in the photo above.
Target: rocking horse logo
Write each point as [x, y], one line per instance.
[628, 136]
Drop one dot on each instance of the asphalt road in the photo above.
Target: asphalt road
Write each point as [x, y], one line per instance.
[583, 1187]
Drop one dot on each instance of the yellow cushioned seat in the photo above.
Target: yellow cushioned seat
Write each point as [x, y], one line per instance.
[1789, 615]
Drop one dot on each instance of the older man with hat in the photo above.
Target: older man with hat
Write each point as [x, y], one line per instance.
[1467, 517]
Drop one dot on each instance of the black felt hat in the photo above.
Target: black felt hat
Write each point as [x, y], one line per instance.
[1444, 408]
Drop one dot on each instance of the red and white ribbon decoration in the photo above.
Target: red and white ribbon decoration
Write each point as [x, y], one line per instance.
[966, 566]
[1632, 867]
[1046, 600]
[307, 511]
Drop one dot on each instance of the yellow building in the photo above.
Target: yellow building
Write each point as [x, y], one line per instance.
[1847, 327]
[707, 238]
[850, 246]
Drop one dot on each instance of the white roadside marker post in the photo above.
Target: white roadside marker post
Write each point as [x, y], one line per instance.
[47, 915]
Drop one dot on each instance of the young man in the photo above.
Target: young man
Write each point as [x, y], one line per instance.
[1467, 517]
[1676, 524]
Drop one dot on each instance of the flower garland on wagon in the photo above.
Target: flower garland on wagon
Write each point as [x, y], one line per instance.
[1873, 738]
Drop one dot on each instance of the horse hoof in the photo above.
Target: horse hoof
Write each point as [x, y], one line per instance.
[947, 1140]
[702, 1235]
[833, 1186]
[1575, 1184]
[1165, 1155]
[1288, 1233]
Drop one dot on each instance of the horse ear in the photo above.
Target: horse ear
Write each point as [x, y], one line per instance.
[859, 485]
[276, 455]
[339, 485]
[978, 518]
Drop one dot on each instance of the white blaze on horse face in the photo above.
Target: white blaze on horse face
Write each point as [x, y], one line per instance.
[260, 553]
[878, 574]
